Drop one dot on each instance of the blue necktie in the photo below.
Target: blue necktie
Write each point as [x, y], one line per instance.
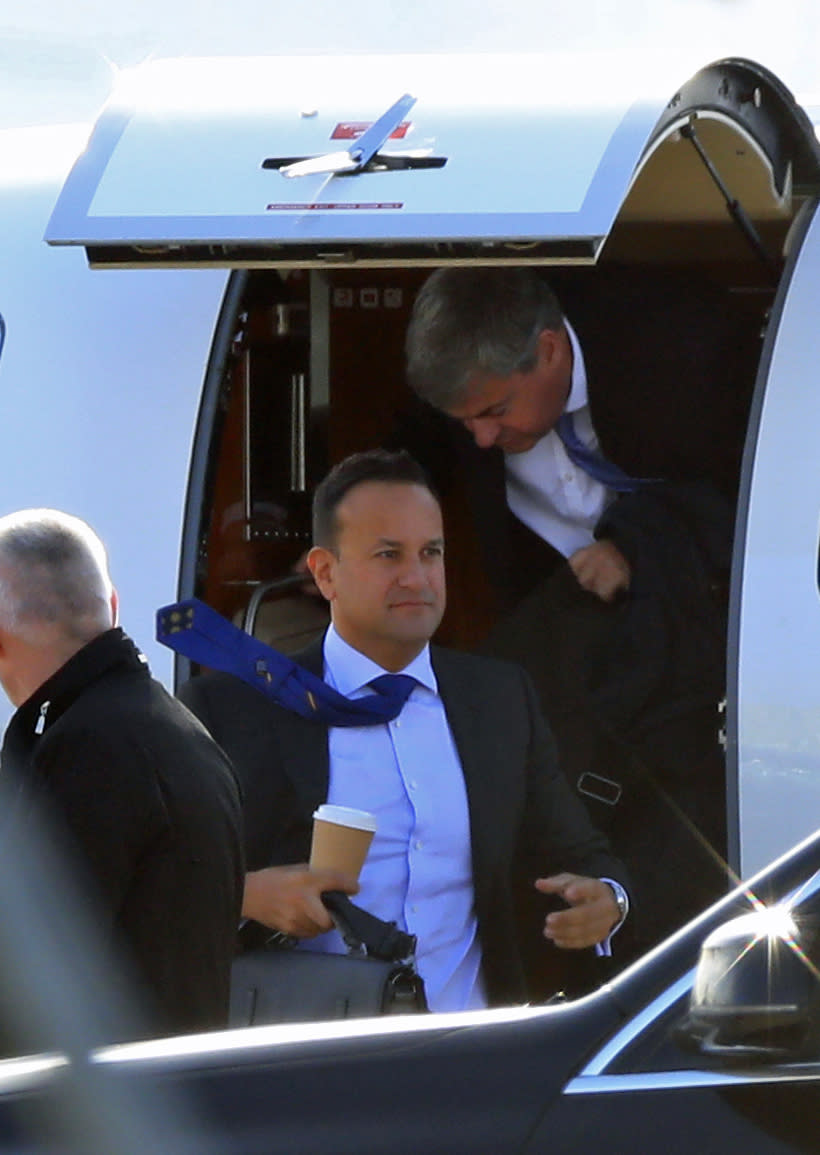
[195, 630]
[396, 687]
[593, 463]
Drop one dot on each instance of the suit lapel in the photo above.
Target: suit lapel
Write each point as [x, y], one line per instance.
[460, 707]
[468, 716]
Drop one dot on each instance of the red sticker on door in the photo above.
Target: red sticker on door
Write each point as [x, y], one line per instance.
[353, 129]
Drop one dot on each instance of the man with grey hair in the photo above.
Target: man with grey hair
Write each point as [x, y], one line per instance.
[133, 787]
[491, 347]
[583, 411]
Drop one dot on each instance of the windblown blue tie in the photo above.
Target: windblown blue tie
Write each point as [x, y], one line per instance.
[593, 463]
[195, 630]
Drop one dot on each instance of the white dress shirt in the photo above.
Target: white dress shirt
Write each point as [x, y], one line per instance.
[418, 872]
[546, 490]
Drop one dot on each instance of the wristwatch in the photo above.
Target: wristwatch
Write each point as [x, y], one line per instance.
[621, 898]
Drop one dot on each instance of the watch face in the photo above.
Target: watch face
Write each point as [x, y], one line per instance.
[620, 899]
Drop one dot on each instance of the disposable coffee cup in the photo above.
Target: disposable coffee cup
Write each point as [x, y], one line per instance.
[341, 838]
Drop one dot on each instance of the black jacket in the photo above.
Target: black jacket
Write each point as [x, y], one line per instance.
[525, 822]
[152, 807]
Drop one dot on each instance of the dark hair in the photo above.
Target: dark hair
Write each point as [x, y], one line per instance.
[470, 321]
[372, 465]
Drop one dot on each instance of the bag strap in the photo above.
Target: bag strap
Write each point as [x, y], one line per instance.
[360, 929]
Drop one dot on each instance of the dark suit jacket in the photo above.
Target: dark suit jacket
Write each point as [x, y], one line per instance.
[525, 822]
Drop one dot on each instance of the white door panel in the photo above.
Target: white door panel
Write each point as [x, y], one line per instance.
[779, 627]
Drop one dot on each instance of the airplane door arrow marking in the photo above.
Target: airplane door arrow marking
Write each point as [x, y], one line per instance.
[357, 156]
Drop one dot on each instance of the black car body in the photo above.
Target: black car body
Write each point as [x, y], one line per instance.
[641, 1065]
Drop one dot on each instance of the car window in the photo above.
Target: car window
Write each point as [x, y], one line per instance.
[657, 1048]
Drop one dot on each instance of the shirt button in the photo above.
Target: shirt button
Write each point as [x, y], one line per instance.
[418, 844]
[414, 784]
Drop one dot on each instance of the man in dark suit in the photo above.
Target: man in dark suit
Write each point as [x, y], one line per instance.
[473, 815]
[599, 441]
[134, 791]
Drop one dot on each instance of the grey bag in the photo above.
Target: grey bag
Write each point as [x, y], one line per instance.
[278, 983]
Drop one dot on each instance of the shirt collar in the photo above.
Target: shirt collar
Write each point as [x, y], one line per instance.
[578, 396]
[349, 670]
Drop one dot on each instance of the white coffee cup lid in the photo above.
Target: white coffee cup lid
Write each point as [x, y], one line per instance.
[346, 816]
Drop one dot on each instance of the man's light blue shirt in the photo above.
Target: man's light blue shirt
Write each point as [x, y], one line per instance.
[418, 872]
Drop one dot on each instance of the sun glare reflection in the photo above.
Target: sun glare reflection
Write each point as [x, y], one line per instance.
[779, 926]
[776, 922]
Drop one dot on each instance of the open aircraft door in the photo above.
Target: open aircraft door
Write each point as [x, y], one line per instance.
[339, 160]
[776, 620]
[332, 186]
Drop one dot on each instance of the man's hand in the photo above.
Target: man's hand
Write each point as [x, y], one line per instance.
[286, 898]
[592, 914]
[602, 569]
